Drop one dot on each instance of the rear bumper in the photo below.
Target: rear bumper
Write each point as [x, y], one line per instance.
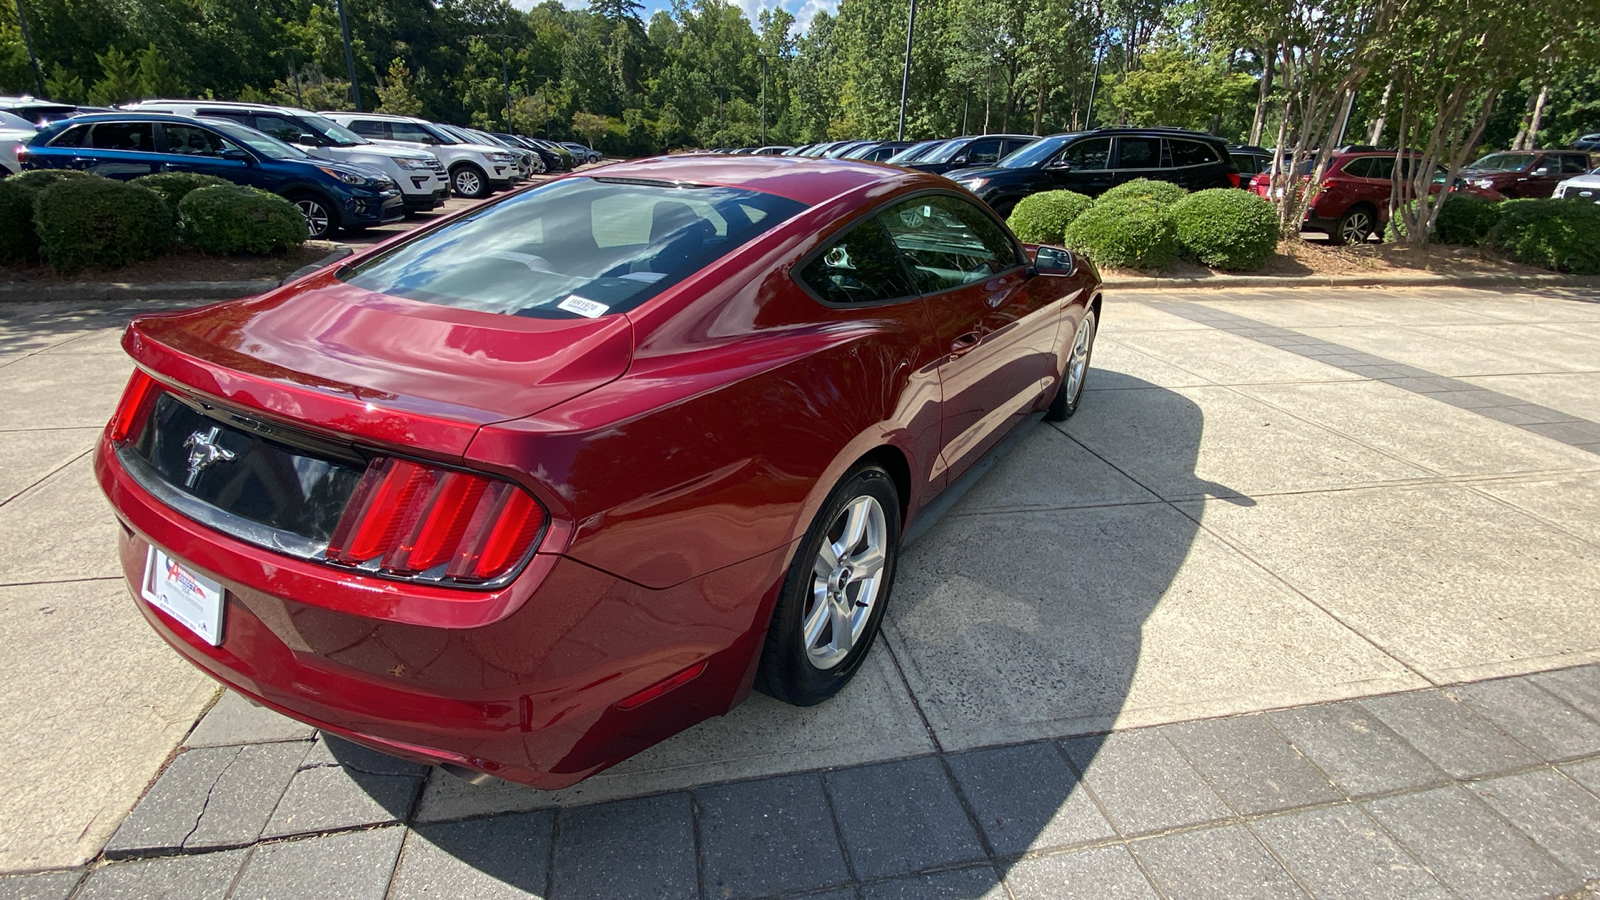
[523, 683]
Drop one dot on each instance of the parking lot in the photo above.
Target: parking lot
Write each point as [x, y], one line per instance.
[1270, 500]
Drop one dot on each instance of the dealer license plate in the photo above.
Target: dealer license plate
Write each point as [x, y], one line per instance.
[186, 595]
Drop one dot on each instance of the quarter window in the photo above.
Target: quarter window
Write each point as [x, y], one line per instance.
[1191, 153]
[1091, 154]
[1573, 164]
[72, 137]
[861, 267]
[948, 242]
[1361, 167]
[1139, 153]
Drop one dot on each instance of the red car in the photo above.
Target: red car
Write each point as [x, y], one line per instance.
[531, 489]
[1353, 201]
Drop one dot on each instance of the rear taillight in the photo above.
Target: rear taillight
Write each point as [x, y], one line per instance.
[135, 405]
[407, 519]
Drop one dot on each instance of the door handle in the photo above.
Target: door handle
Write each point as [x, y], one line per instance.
[963, 344]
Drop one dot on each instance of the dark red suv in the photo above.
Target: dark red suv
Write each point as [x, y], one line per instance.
[1526, 173]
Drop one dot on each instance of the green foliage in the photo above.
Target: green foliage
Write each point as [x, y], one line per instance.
[155, 75]
[96, 221]
[119, 81]
[1563, 235]
[1043, 218]
[1465, 219]
[398, 94]
[19, 241]
[174, 186]
[1132, 232]
[65, 86]
[1180, 87]
[1161, 193]
[232, 219]
[1227, 228]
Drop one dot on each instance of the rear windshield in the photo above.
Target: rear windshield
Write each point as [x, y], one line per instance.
[575, 247]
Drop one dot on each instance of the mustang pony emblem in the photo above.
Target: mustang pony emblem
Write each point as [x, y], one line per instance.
[203, 451]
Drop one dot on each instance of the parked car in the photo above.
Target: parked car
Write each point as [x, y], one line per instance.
[475, 170]
[424, 184]
[816, 151]
[582, 153]
[771, 150]
[840, 149]
[14, 132]
[1526, 173]
[878, 151]
[568, 160]
[1250, 161]
[982, 150]
[539, 160]
[521, 156]
[39, 112]
[1590, 142]
[409, 525]
[1581, 187]
[331, 195]
[1092, 162]
[916, 151]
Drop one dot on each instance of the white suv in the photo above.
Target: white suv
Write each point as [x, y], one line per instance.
[475, 169]
[422, 178]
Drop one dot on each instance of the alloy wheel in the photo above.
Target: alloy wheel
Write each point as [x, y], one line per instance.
[318, 220]
[846, 582]
[1356, 228]
[467, 183]
[1078, 358]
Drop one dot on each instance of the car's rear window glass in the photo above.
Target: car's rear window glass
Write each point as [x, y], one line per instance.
[1191, 153]
[575, 247]
[72, 137]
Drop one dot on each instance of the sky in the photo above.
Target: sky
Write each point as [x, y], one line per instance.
[803, 10]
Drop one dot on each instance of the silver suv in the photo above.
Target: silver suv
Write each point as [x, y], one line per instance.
[422, 178]
[475, 169]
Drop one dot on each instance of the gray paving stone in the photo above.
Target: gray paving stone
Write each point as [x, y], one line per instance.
[980, 883]
[1576, 433]
[900, 817]
[205, 876]
[1338, 852]
[333, 797]
[170, 810]
[1251, 765]
[235, 720]
[1544, 414]
[773, 835]
[1353, 748]
[1429, 384]
[355, 865]
[1586, 773]
[632, 848]
[1105, 873]
[1540, 721]
[1455, 738]
[499, 858]
[1509, 416]
[1225, 863]
[1478, 399]
[1468, 847]
[1580, 687]
[840, 894]
[1028, 798]
[1560, 816]
[332, 750]
[40, 885]
[244, 796]
[1143, 782]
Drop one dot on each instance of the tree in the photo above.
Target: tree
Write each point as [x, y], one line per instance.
[1177, 87]
[64, 86]
[119, 81]
[155, 76]
[590, 125]
[398, 93]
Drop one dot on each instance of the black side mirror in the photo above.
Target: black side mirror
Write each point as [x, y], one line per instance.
[960, 160]
[1060, 165]
[237, 155]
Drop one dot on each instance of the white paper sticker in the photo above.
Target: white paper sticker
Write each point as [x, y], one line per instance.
[583, 306]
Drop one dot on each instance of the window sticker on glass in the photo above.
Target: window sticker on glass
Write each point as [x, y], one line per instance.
[583, 306]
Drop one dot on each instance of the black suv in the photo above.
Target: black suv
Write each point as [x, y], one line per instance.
[1092, 162]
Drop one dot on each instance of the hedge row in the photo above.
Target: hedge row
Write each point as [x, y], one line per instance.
[76, 221]
[1146, 224]
[1563, 235]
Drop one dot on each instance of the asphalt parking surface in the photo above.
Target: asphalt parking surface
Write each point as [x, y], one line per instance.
[1302, 601]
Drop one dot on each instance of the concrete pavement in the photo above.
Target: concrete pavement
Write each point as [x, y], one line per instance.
[1272, 500]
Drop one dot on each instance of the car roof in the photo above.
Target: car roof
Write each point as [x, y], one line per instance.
[130, 116]
[803, 179]
[219, 104]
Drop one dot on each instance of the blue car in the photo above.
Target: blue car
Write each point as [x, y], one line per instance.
[128, 145]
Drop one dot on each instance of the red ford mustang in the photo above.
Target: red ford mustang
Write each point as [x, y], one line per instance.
[529, 490]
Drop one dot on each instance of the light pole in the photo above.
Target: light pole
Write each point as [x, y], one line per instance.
[905, 76]
[349, 56]
[763, 99]
[505, 75]
[27, 39]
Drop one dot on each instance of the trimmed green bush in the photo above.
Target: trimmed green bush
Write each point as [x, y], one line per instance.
[174, 186]
[1043, 218]
[1552, 234]
[1466, 219]
[1227, 228]
[231, 219]
[95, 221]
[1162, 193]
[1133, 233]
[19, 240]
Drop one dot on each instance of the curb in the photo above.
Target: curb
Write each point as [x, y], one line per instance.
[1224, 282]
[114, 291]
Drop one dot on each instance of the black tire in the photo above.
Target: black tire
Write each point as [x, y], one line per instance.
[1356, 226]
[788, 671]
[322, 217]
[1004, 205]
[1069, 394]
[536, 165]
[467, 180]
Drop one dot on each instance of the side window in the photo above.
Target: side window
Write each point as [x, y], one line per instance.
[72, 137]
[1191, 153]
[1013, 146]
[191, 141]
[369, 128]
[280, 128]
[861, 267]
[138, 136]
[983, 153]
[1138, 153]
[1360, 167]
[1380, 167]
[948, 242]
[1094, 153]
[1574, 164]
[406, 131]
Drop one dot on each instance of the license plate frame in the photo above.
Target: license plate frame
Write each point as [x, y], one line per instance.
[175, 588]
